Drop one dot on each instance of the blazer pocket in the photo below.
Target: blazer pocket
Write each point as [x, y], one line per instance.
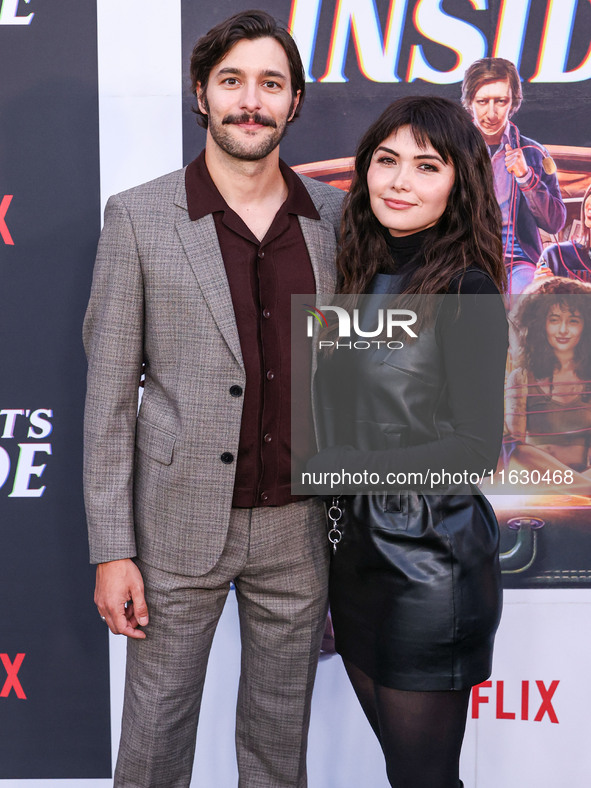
[155, 442]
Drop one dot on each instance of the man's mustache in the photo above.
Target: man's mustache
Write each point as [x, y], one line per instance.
[246, 117]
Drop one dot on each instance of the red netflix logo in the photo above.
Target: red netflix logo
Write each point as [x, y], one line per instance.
[12, 684]
[4, 231]
[543, 699]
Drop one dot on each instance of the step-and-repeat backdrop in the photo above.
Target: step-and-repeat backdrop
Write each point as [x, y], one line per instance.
[54, 678]
[94, 99]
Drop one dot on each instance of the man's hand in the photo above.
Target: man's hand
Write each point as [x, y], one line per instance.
[120, 583]
[515, 161]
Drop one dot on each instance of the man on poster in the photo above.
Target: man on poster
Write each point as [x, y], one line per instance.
[524, 173]
[192, 284]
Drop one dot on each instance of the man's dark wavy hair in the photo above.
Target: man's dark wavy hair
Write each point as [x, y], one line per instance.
[245, 25]
[529, 318]
[468, 233]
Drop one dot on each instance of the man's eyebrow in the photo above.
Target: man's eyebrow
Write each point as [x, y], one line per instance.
[229, 70]
[271, 73]
[239, 72]
[431, 156]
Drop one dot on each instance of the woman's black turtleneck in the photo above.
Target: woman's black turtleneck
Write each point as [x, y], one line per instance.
[406, 253]
[406, 250]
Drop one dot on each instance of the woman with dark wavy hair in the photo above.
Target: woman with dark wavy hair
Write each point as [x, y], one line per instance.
[415, 583]
[548, 408]
[464, 235]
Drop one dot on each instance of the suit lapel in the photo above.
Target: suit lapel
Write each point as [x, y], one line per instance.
[201, 246]
[200, 242]
[320, 240]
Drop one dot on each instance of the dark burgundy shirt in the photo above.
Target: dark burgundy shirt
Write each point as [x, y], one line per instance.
[262, 276]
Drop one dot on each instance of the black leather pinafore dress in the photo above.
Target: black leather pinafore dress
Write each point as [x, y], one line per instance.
[415, 586]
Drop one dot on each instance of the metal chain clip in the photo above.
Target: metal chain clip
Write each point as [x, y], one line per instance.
[334, 515]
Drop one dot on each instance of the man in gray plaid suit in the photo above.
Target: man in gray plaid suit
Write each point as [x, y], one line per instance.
[192, 284]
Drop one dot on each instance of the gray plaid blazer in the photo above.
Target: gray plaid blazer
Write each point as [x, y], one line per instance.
[154, 483]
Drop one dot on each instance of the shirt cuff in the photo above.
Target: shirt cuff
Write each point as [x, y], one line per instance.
[526, 179]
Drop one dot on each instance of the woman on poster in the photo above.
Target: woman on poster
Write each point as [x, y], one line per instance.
[415, 583]
[548, 399]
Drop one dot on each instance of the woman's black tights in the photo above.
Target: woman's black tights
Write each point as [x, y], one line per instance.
[420, 733]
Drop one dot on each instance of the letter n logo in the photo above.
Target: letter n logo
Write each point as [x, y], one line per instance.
[4, 232]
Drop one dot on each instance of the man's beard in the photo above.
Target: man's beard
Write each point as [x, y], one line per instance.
[240, 148]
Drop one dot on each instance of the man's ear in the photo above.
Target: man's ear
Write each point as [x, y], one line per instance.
[294, 105]
[201, 100]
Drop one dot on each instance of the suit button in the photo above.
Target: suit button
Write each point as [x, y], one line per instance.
[261, 254]
[267, 313]
[270, 375]
[267, 438]
[227, 457]
[236, 391]
[264, 496]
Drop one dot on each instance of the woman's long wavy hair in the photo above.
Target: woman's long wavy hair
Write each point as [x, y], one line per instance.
[468, 233]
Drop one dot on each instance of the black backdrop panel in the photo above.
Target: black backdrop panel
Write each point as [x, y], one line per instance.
[54, 700]
[336, 114]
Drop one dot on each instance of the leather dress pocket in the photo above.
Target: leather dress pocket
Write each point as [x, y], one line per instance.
[393, 503]
[389, 512]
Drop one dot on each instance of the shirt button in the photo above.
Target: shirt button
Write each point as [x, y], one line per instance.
[236, 391]
[267, 313]
[267, 438]
[264, 496]
[227, 457]
[261, 254]
[270, 375]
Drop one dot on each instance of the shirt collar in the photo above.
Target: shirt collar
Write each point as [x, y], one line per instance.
[509, 136]
[203, 196]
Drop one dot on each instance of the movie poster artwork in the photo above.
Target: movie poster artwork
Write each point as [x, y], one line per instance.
[359, 55]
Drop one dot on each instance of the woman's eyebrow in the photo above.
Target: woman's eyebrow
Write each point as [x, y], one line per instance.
[430, 156]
